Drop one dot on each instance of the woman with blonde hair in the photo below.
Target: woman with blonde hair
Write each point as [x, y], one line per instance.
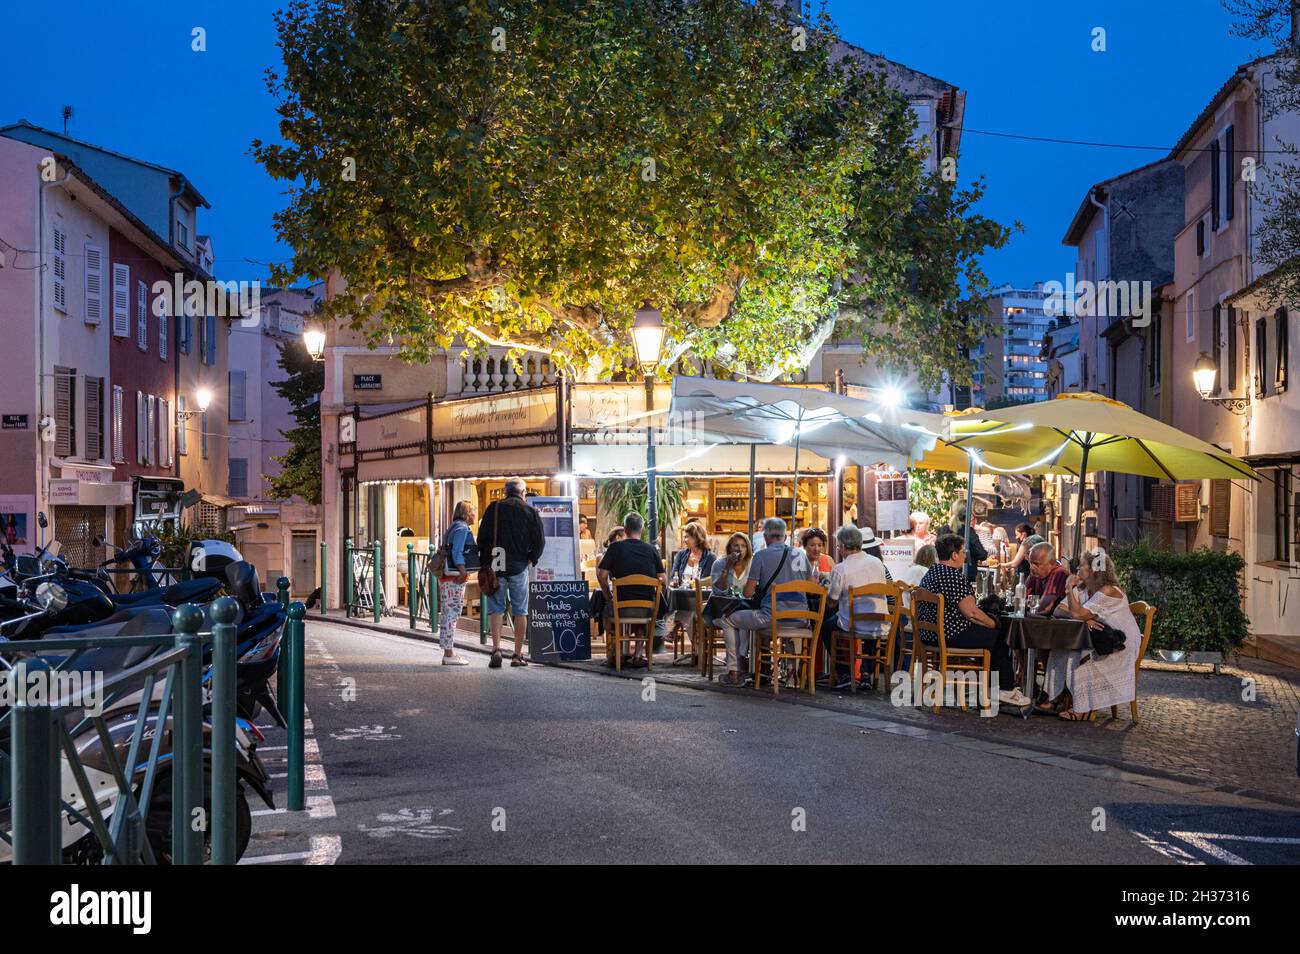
[460, 556]
[1084, 681]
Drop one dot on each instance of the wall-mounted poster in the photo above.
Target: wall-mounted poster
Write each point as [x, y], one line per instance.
[18, 521]
[560, 560]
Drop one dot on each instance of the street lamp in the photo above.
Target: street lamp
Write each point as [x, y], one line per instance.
[1205, 374]
[203, 397]
[313, 337]
[648, 339]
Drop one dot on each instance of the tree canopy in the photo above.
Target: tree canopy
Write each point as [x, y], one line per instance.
[530, 173]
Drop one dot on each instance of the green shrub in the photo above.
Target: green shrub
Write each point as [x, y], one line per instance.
[176, 539]
[1197, 595]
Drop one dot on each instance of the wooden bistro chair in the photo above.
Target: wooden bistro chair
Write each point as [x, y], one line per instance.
[627, 621]
[1145, 614]
[847, 645]
[785, 628]
[706, 640]
[938, 653]
[904, 639]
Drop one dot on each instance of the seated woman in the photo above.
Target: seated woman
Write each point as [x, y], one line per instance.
[924, 559]
[1082, 682]
[813, 541]
[694, 561]
[731, 572]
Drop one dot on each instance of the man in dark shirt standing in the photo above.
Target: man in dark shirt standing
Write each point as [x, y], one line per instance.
[511, 536]
[630, 556]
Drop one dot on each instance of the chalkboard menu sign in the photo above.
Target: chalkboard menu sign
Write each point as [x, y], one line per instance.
[559, 620]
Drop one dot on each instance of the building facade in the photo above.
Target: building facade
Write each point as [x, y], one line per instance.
[279, 537]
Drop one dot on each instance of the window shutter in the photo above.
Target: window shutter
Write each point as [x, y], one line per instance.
[1229, 174]
[121, 300]
[203, 338]
[94, 418]
[1216, 314]
[165, 433]
[1214, 184]
[151, 429]
[212, 339]
[117, 425]
[183, 334]
[1220, 507]
[1187, 502]
[1283, 349]
[61, 270]
[1261, 354]
[1162, 502]
[182, 443]
[237, 396]
[163, 321]
[65, 417]
[1200, 237]
[237, 486]
[94, 285]
[1232, 350]
[141, 428]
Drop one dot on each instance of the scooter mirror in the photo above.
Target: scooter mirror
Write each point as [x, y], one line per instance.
[52, 597]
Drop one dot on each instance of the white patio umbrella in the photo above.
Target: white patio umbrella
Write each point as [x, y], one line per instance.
[827, 424]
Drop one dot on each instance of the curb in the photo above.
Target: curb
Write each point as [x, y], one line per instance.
[1132, 768]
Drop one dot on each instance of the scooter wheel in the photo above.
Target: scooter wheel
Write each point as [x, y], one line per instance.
[158, 824]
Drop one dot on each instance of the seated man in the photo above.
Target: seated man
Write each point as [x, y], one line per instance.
[856, 569]
[630, 556]
[1045, 590]
[777, 562]
[965, 625]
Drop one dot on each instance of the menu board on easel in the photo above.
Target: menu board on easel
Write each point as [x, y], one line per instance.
[885, 504]
[561, 558]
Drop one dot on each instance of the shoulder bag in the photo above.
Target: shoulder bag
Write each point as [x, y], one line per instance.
[488, 583]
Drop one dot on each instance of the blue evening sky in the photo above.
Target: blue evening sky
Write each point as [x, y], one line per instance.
[1027, 66]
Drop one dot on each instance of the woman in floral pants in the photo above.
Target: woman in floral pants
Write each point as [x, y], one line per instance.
[461, 557]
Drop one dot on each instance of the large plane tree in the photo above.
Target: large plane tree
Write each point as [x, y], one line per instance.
[530, 173]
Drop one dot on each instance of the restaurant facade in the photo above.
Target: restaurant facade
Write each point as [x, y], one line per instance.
[403, 443]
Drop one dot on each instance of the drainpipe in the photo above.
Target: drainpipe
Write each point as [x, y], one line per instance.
[1105, 226]
[175, 328]
[42, 464]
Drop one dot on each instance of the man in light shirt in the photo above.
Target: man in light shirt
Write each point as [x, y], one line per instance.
[856, 569]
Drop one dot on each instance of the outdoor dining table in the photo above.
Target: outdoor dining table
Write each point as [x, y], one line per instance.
[1035, 634]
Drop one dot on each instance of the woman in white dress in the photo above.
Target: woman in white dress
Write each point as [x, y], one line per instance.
[1082, 682]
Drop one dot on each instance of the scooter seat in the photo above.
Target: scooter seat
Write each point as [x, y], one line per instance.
[144, 621]
[187, 591]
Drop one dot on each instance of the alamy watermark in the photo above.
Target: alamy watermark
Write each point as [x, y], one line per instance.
[1087, 299]
[242, 300]
[46, 687]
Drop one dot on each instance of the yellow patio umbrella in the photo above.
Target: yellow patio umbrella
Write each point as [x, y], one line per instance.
[1084, 432]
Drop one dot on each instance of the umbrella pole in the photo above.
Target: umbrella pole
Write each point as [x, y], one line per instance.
[752, 457]
[1078, 508]
[970, 506]
[794, 504]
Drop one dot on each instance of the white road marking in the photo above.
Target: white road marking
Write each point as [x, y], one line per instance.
[325, 850]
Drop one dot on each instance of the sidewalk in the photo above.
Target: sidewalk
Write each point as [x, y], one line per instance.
[1195, 728]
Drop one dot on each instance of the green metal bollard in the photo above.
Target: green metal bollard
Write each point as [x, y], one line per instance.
[432, 582]
[482, 620]
[347, 578]
[294, 709]
[34, 780]
[188, 825]
[324, 607]
[224, 613]
[377, 579]
[413, 585]
[281, 597]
